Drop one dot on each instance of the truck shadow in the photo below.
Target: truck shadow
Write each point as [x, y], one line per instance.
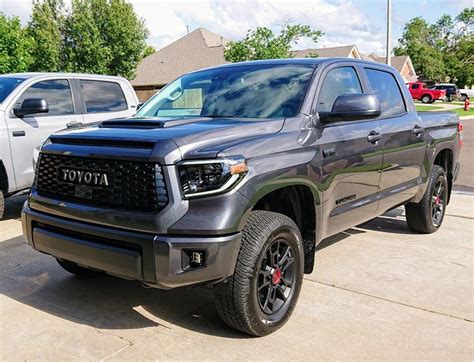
[111, 303]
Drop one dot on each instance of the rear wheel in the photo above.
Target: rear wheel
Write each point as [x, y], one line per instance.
[426, 98]
[2, 204]
[262, 293]
[78, 270]
[427, 216]
[463, 97]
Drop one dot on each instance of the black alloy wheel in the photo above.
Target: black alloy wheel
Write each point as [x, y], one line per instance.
[276, 277]
[438, 202]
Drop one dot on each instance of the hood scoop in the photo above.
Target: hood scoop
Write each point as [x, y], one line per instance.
[131, 123]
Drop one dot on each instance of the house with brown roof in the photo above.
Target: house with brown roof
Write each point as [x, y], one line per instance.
[199, 49]
[202, 48]
[346, 51]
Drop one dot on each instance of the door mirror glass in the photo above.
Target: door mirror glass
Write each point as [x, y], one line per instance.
[352, 107]
[31, 106]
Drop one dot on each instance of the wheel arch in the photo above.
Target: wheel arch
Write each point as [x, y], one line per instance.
[299, 202]
[3, 178]
[444, 158]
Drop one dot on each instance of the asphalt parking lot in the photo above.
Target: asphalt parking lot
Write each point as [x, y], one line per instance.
[378, 292]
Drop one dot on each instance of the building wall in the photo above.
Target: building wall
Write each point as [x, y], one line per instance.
[408, 74]
[144, 93]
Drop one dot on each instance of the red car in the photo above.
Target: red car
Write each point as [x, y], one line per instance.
[419, 91]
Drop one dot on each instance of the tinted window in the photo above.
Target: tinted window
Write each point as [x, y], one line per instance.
[337, 82]
[101, 96]
[415, 86]
[251, 91]
[56, 92]
[7, 85]
[386, 88]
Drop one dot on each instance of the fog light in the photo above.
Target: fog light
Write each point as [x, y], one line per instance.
[192, 259]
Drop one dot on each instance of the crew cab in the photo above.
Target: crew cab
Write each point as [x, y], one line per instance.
[231, 176]
[34, 105]
[419, 91]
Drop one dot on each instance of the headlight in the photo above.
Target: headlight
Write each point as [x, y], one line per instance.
[209, 177]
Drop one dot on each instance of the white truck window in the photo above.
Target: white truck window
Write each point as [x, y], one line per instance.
[57, 93]
[102, 96]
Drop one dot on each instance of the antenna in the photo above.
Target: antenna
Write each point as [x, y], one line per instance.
[187, 28]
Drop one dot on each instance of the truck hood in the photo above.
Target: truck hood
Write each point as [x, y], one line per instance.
[195, 137]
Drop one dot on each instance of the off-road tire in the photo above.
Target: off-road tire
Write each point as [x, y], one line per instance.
[419, 215]
[78, 270]
[237, 300]
[426, 98]
[2, 204]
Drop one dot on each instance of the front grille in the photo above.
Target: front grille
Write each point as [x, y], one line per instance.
[132, 185]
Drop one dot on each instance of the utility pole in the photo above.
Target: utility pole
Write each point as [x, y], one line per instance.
[389, 32]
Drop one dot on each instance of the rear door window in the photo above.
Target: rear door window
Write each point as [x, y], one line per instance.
[57, 94]
[103, 96]
[385, 86]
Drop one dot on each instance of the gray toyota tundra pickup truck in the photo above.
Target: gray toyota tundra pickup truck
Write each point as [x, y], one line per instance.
[230, 177]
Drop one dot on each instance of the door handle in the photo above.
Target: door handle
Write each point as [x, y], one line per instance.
[374, 137]
[417, 131]
[18, 133]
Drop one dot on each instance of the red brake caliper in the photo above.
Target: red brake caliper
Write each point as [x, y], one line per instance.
[276, 276]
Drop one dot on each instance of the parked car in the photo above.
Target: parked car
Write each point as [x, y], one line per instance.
[465, 93]
[452, 91]
[419, 91]
[34, 105]
[230, 177]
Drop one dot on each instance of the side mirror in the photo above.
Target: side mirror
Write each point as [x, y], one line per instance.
[31, 106]
[352, 107]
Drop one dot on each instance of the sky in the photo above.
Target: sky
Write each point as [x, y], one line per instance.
[359, 22]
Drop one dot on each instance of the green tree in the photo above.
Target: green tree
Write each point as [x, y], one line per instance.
[123, 33]
[84, 48]
[149, 50]
[46, 29]
[15, 46]
[443, 51]
[419, 42]
[263, 43]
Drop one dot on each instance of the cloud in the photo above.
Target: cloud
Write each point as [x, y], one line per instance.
[343, 22]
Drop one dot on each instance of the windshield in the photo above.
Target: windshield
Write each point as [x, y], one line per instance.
[248, 91]
[7, 85]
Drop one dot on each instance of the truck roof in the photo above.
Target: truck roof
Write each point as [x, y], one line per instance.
[300, 61]
[29, 75]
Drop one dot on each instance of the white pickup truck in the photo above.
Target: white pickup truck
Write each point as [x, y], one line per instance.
[34, 105]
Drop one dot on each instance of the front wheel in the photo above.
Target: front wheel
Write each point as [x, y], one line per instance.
[261, 295]
[427, 215]
[463, 97]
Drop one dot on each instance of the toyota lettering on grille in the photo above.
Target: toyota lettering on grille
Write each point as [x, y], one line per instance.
[83, 177]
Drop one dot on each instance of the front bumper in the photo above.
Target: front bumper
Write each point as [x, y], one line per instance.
[154, 259]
